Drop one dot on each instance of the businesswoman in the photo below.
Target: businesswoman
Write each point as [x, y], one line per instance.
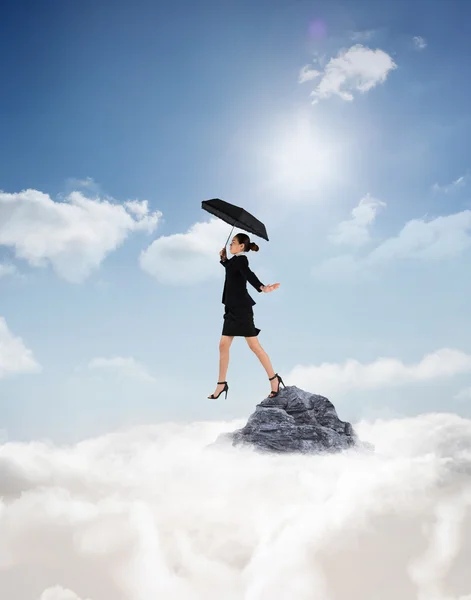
[238, 315]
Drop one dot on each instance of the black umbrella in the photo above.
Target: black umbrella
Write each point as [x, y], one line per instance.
[235, 216]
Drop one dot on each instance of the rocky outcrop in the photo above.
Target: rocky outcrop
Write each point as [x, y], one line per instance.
[294, 421]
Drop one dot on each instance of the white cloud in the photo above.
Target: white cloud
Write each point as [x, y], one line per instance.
[74, 236]
[420, 239]
[357, 69]
[58, 593]
[345, 267]
[463, 395]
[454, 186]
[152, 513]
[362, 36]
[333, 378]
[419, 42]
[7, 269]
[139, 208]
[127, 366]
[436, 239]
[15, 357]
[355, 231]
[87, 182]
[187, 258]
[308, 74]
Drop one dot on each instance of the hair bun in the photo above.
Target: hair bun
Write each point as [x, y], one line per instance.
[253, 246]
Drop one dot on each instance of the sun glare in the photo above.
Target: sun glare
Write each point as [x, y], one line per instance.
[299, 156]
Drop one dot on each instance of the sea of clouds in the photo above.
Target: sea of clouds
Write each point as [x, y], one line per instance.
[152, 513]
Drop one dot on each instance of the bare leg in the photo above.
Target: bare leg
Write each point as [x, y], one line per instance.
[224, 346]
[263, 357]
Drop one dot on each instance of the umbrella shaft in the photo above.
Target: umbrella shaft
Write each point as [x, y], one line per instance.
[229, 236]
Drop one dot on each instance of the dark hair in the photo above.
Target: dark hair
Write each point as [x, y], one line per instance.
[243, 238]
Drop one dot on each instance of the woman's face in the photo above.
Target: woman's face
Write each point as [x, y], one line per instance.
[235, 247]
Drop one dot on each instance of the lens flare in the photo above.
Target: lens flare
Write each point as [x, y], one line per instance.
[317, 28]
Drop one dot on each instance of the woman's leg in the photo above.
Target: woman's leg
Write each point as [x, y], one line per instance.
[263, 357]
[224, 346]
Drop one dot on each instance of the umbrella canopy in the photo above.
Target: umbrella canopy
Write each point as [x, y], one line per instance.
[235, 216]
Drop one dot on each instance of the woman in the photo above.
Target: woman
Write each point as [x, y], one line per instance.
[238, 316]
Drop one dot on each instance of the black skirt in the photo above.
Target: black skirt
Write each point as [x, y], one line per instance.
[238, 321]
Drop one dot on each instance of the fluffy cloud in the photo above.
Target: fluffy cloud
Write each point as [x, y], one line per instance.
[7, 269]
[454, 186]
[127, 366]
[419, 42]
[355, 231]
[58, 593]
[435, 239]
[464, 395]
[358, 69]
[75, 235]
[420, 239]
[330, 378]
[338, 268]
[307, 73]
[89, 183]
[187, 258]
[152, 513]
[362, 36]
[15, 357]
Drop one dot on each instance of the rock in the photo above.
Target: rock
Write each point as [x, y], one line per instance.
[294, 421]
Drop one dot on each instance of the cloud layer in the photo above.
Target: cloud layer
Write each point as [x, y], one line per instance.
[355, 231]
[454, 186]
[122, 365]
[187, 258]
[57, 592]
[7, 269]
[440, 238]
[357, 69]
[73, 236]
[434, 239]
[464, 395]
[333, 378]
[15, 357]
[152, 513]
[419, 42]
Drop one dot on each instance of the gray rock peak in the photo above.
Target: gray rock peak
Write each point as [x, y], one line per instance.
[294, 421]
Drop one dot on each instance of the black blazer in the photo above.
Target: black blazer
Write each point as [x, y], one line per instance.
[235, 286]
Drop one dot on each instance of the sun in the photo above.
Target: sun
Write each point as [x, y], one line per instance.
[299, 156]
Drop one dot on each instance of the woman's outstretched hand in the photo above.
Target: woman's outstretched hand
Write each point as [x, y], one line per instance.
[223, 254]
[270, 288]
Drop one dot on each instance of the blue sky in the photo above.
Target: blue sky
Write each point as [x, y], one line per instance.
[121, 117]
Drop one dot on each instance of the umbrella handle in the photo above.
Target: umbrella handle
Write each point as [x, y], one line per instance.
[229, 236]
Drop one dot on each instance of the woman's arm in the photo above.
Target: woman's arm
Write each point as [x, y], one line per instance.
[243, 265]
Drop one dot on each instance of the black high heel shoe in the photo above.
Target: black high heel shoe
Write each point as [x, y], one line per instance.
[280, 381]
[224, 389]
